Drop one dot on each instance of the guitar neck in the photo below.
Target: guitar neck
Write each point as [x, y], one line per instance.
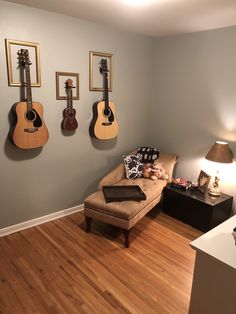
[106, 94]
[28, 88]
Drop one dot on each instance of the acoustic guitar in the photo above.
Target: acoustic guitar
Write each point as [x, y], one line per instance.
[29, 130]
[69, 122]
[105, 122]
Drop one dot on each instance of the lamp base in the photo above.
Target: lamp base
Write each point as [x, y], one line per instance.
[214, 193]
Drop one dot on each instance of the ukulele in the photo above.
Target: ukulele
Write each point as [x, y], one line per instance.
[105, 125]
[69, 121]
[30, 130]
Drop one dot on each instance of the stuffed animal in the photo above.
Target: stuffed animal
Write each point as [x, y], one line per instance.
[154, 171]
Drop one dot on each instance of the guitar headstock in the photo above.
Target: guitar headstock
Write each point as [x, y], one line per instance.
[24, 57]
[103, 68]
[69, 84]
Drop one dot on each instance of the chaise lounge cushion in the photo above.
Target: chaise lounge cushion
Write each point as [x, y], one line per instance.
[126, 209]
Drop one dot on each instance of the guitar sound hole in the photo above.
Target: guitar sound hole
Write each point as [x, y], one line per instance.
[107, 112]
[30, 115]
[71, 115]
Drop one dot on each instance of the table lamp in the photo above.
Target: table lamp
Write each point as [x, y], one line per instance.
[219, 152]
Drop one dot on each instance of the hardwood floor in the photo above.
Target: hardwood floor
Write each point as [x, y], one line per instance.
[58, 268]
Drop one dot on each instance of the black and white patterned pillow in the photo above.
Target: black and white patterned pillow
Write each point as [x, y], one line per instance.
[149, 154]
[133, 166]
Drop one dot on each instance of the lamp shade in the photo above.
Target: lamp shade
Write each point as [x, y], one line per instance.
[220, 152]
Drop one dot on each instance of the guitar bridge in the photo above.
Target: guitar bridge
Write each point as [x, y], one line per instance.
[107, 123]
[31, 130]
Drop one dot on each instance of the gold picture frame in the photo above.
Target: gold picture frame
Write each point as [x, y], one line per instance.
[95, 77]
[13, 69]
[61, 78]
[203, 181]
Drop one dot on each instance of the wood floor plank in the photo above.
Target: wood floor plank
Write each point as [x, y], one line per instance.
[58, 268]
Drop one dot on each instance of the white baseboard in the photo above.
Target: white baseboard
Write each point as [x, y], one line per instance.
[40, 220]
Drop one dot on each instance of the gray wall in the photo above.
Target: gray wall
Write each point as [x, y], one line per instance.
[194, 101]
[176, 93]
[68, 168]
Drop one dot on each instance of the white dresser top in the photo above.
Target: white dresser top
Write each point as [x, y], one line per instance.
[219, 242]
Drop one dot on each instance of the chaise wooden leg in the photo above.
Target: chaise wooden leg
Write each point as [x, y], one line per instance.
[88, 221]
[126, 234]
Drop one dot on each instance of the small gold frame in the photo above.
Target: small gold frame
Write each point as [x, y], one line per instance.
[61, 78]
[203, 181]
[95, 77]
[11, 55]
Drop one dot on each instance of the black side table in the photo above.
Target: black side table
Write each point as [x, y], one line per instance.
[201, 211]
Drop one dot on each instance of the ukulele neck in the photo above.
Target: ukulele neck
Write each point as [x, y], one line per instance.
[70, 98]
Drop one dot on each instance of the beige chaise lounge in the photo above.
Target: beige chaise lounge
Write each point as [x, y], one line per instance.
[126, 214]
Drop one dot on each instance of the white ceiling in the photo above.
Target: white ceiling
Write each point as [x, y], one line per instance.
[156, 18]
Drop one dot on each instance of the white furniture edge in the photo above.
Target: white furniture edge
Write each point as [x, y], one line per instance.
[40, 220]
[214, 279]
[219, 243]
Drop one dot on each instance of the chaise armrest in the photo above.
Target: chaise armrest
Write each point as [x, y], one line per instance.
[117, 174]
